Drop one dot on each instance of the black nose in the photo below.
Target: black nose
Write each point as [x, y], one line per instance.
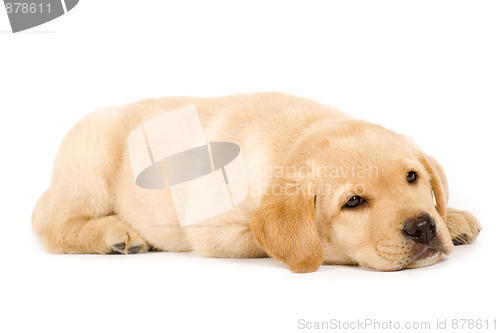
[421, 229]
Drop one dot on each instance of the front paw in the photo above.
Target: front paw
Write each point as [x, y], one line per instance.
[463, 226]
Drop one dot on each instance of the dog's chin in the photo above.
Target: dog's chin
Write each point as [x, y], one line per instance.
[421, 256]
[427, 258]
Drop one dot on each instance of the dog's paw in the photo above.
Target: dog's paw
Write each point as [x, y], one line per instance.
[120, 238]
[463, 226]
[122, 248]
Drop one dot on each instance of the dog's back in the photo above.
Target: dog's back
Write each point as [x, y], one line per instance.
[79, 212]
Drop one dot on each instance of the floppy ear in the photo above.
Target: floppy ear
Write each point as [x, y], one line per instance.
[438, 182]
[284, 225]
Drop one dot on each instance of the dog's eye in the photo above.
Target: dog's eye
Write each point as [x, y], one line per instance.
[354, 202]
[411, 176]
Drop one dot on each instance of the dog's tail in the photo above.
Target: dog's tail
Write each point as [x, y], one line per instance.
[39, 216]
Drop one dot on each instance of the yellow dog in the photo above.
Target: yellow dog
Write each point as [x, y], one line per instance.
[323, 188]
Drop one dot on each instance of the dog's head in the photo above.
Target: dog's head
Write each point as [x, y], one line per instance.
[355, 193]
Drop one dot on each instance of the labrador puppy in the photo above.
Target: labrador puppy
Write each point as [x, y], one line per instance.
[323, 188]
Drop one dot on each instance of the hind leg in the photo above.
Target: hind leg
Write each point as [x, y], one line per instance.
[104, 235]
[77, 214]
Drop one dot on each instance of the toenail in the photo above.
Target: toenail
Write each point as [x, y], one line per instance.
[134, 249]
[120, 246]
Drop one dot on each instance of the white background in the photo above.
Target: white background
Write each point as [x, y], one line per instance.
[429, 69]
